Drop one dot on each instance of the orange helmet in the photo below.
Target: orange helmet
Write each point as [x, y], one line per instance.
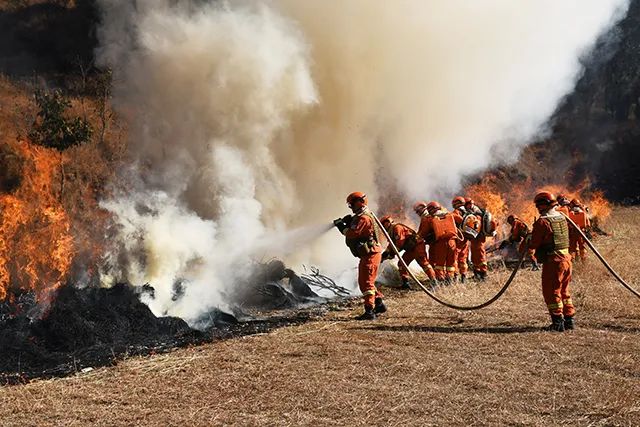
[355, 196]
[511, 219]
[468, 201]
[457, 202]
[433, 207]
[386, 218]
[545, 198]
[575, 203]
[419, 207]
[562, 200]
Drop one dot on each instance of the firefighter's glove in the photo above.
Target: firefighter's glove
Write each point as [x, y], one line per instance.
[387, 255]
[347, 219]
[340, 225]
[503, 244]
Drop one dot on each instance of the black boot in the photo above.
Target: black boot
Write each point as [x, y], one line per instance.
[535, 266]
[367, 315]
[463, 278]
[569, 324]
[557, 324]
[405, 284]
[380, 306]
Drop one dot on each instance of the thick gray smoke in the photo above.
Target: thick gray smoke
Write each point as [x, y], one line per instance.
[249, 119]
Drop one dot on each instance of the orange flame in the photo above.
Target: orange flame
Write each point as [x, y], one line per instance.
[36, 247]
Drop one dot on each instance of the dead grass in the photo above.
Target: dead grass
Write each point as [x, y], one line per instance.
[420, 364]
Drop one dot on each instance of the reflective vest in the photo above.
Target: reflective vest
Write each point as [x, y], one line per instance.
[560, 245]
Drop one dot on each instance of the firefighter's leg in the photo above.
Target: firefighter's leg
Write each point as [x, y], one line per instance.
[421, 257]
[568, 310]
[551, 291]
[450, 258]
[367, 272]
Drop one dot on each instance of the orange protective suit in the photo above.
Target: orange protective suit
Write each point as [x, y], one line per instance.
[577, 246]
[550, 239]
[462, 245]
[414, 248]
[519, 231]
[442, 250]
[363, 228]
[478, 252]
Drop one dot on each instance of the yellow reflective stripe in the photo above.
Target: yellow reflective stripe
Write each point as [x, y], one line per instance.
[439, 267]
[369, 292]
[567, 301]
[481, 264]
[451, 269]
[555, 305]
[561, 252]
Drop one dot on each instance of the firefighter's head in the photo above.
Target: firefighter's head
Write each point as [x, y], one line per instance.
[562, 200]
[457, 202]
[433, 207]
[356, 201]
[386, 221]
[511, 219]
[575, 203]
[544, 201]
[469, 203]
[420, 207]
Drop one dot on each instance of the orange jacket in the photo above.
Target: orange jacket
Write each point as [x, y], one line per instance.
[543, 236]
[362, 228]
[399, 234]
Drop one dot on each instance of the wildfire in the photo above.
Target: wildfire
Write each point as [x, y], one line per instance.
[36, 247]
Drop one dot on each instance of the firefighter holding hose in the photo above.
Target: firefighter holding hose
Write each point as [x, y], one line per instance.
[362, 236]
[414, 247]
[550, 240]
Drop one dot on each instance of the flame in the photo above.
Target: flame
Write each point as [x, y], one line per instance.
[36, 247]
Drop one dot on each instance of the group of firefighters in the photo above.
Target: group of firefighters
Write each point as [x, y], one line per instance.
[444, 239]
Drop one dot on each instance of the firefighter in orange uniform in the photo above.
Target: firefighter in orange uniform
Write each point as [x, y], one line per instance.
[362, 236]
[414, 247]
[550, 240]
[467, 222]
[578, 214]
[478, 251]
[518, 234]
[438, 229]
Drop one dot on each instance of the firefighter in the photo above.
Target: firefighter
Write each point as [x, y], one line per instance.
[487, 229]
[362, 236]
[550, 240]
[462, 219]
[414, 247]
[438, 229]
[518, 234]
[578, 214]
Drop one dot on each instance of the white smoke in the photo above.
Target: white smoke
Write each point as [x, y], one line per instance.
[251, 118]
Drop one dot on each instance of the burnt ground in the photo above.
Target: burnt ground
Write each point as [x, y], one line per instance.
[93, 327]
[419, 364]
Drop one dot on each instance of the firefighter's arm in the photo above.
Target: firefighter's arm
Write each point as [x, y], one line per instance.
[541, 230]
[358, 230]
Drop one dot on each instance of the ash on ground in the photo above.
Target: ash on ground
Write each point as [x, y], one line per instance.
[93, 327]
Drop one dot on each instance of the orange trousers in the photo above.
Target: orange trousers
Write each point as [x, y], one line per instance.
[556, 276]
[367, 273]
[577, 246]
[419, 254]
[443, 258]
[462, 254]
[479, 254]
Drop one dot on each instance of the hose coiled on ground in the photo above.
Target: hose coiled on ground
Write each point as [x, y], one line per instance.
[447, 304]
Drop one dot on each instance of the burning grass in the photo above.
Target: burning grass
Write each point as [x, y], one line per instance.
[420, 364]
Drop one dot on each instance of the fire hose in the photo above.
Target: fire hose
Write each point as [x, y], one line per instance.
[601, 258]
[433, 296]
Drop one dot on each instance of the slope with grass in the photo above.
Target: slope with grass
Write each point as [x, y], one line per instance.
[419, 364]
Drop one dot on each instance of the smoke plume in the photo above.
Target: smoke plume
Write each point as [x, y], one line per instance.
[251, 118]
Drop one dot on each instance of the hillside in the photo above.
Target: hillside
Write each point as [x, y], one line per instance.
[420, 364]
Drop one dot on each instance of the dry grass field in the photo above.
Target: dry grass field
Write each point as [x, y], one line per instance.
[420, 364]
